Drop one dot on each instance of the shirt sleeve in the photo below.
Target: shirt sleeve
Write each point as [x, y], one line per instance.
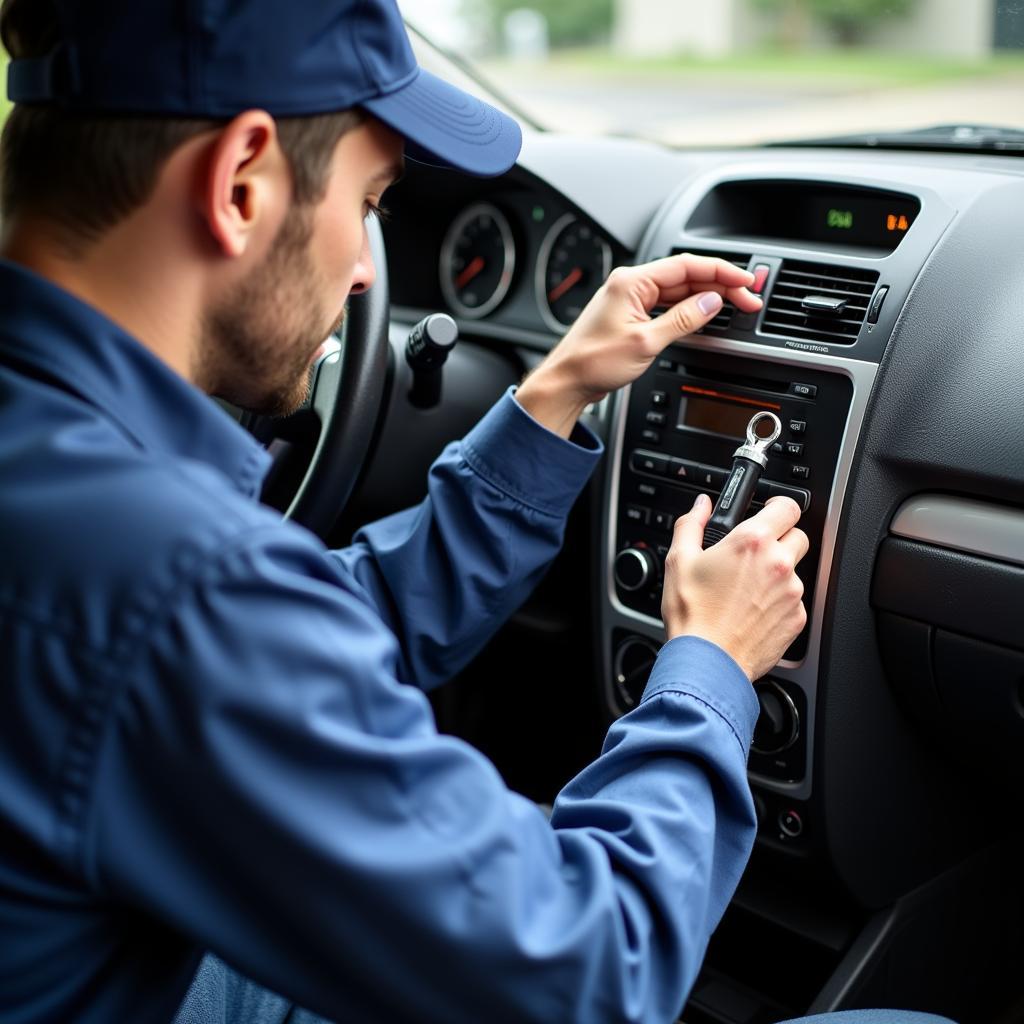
[446, 574]
[268, 788]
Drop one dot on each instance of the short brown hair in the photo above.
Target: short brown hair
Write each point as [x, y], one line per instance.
[86, 172]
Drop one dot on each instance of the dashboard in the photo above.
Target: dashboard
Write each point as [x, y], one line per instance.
[891, 346]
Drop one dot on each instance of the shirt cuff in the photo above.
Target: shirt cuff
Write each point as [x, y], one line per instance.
[528, 462]
[698, 668]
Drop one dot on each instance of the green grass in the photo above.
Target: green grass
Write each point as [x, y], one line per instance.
[853, 67]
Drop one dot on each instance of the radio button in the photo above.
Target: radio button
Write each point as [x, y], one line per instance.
[638, 514]
[804, 390]
[647, 490]
[801, 472]
[682, 471]
[794, 449]
[797, 427]
[662, 520]
[713, 479]
[651, 435]
[801, 496]
[656, 419]
[658, 399]
[648, 462]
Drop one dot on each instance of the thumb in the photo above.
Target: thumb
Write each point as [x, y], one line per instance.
[689, 529]
[685, 317]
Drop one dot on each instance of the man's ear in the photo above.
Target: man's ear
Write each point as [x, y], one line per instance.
[246, 182]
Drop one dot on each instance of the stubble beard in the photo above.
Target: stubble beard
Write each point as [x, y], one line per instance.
[257, 345]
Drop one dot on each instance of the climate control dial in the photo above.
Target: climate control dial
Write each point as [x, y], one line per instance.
[778, 725]
[635, 568]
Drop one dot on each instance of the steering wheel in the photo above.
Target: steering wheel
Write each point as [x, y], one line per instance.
[346, 392]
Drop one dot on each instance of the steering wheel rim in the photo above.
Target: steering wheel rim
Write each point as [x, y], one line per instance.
[346, 393]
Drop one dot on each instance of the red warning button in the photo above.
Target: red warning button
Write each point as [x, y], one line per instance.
[760, 272]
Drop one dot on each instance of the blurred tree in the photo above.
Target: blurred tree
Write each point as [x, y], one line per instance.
[570, 22]
[848, 19]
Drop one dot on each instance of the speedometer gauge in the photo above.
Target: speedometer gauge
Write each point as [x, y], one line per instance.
[572, 264]
[478, 258]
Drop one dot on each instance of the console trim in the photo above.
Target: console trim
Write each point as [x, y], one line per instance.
[614, 614]
[974, 527]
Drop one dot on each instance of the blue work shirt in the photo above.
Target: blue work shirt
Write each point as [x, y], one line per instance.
[214, 732]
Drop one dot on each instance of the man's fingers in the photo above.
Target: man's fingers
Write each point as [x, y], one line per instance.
[742, 298]
[796, 543]
[778, 516]
[684, 318]
[697, 270]
[689, 529]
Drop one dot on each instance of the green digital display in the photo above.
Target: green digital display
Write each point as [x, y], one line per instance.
[841, 219]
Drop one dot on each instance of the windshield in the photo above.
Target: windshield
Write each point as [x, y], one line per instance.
[740, 72]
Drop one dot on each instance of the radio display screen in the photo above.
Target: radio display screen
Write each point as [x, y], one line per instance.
[832, 216]
[718, 413]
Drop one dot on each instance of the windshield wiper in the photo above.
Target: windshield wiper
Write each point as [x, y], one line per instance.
[965, 138]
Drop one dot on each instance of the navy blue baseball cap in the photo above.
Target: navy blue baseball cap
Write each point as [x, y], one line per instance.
[216, 58]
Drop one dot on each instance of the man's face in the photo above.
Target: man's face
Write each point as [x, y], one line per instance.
[261, 340]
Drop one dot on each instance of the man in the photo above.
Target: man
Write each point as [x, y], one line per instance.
[213, 732]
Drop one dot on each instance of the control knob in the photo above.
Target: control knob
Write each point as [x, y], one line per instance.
[635, 568]
[778, 725]
[634, 659]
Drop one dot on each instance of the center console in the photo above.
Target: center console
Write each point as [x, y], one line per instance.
[834, 262]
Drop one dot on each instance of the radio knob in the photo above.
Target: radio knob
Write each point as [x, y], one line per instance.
[635, 568]
[778, 725]
[634, 659]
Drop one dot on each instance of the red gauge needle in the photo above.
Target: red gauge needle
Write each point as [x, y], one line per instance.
[560, 289]
[476, 264]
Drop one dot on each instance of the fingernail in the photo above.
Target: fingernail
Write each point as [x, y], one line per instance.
[700, 501]
[709, 302]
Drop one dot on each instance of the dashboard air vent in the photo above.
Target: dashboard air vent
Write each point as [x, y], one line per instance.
[819, 302]
[720, 325]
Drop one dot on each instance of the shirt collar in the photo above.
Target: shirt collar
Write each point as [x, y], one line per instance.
[88, 354]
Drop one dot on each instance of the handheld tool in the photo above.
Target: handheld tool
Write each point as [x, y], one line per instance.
[749, 462]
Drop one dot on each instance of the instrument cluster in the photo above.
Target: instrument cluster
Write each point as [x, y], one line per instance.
[524, 260]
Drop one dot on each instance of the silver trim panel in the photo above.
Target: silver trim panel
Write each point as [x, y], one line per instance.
[974, 527]
[616, 615]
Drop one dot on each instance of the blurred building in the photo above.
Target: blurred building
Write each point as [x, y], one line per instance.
[966, 29]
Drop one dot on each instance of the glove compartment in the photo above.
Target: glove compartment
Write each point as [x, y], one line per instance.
[948, 590]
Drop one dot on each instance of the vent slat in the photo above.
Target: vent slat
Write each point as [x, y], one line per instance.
[845, 283]
[826, 322]
[797, 280]
[802, 290]
[796, 300]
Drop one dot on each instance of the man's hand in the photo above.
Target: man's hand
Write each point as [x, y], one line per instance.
[741, 594]
[615, 338]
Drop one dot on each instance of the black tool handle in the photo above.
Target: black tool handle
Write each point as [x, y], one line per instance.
[734, 500]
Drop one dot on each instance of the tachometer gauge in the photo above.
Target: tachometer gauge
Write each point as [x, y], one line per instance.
[478, 258]
[572, 264]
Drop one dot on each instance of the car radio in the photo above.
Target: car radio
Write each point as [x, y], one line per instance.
[685, 418]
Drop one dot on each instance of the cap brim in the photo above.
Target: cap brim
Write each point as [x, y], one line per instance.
[447, 127]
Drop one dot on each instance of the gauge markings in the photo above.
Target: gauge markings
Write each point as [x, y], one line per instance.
[572, 264]
[478, 263]
[560, 289]
[478, 259]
